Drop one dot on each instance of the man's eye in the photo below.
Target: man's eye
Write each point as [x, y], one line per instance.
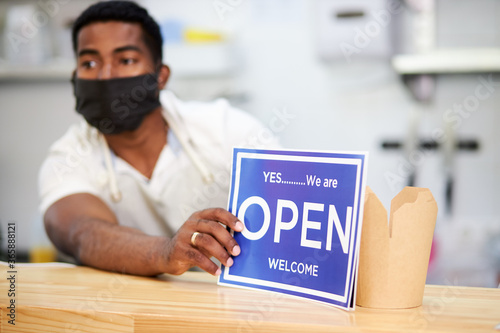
[88, 64]
[128, 61]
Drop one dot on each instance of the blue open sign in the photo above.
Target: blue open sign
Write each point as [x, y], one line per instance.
[302, 213]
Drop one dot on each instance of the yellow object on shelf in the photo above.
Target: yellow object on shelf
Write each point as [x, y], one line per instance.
[201, 36]
[42, 253]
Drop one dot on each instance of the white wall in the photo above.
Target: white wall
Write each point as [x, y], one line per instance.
[32, 116]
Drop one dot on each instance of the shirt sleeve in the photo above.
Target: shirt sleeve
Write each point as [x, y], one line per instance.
[64, 173]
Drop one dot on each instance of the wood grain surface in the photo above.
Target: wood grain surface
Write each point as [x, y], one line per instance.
[82, 299]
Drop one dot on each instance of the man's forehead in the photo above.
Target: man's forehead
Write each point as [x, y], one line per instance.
[111, 32]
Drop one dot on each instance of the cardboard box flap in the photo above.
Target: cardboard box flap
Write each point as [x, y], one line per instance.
[394, 256]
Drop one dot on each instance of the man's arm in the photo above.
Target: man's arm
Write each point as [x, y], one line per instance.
[83, 226]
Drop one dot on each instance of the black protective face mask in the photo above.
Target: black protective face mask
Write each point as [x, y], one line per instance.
[116, 105]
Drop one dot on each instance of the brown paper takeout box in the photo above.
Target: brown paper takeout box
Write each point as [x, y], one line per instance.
[394, 257]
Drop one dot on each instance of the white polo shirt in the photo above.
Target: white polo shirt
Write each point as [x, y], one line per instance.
[160, 205]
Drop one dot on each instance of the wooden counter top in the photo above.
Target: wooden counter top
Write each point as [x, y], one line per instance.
[82, 299]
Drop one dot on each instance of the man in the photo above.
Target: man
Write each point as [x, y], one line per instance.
[116, 190]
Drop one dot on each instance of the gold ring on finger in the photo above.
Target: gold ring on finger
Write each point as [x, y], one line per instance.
[193, 238]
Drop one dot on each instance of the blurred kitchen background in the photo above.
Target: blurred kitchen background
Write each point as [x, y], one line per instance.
[413, 82]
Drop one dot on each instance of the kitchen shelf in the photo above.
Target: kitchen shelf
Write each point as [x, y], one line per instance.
[190, 60]
[49, 71]
[448, 61]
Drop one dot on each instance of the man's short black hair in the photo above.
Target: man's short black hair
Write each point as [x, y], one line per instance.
[123, 11]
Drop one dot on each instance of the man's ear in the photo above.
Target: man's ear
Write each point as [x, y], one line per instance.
[163, 76]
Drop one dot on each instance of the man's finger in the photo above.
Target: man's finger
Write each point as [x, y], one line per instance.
[197, 258]
[223, 216]
[212, 248]
[219, 233]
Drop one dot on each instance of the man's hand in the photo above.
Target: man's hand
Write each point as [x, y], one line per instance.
[212, 240]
